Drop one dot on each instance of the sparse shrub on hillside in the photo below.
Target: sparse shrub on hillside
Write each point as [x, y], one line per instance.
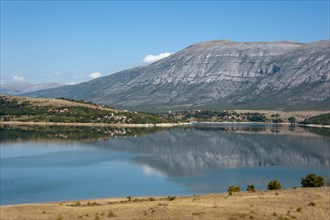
[251, 188]
[274, 185]
[232, 189]
[312, 180]
[171, 198]
[111, 214]
[311, 204]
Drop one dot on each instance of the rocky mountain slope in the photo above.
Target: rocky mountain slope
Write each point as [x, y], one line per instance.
[218, 75]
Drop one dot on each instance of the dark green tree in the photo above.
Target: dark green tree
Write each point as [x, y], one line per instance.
[251, 188]
[274, 185]
[292, 120]
[312, 180]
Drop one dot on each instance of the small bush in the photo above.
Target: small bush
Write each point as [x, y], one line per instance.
[299, 209]
[274, 185]
[312, 180]
[111, 214]
[232, 189]
[151, 199]
[171, 198]
[129, 198]
[251, 188]
[311, 204]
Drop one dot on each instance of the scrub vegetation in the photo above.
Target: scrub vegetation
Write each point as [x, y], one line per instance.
[70, 111]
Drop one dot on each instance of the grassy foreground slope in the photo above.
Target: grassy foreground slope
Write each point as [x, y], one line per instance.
[300, 203]
[24, 109]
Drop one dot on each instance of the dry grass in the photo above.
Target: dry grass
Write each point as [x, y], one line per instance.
[56, 102]
[287, 204]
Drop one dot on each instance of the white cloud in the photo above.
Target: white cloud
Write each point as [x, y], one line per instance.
[94, 75]
[18, 79]
[72, 83]
[153, 58]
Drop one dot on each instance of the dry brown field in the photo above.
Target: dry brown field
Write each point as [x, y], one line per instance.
[300, 203]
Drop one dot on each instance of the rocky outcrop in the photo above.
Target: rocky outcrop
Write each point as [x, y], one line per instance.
[218, 75]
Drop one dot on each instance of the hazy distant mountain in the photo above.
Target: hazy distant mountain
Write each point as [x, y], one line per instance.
[218, 75]
[19, 88]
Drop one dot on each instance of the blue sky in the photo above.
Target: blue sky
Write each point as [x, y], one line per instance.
[61, 41]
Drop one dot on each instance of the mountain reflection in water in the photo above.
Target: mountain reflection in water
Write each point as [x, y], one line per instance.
[189, 151]
[40, 164]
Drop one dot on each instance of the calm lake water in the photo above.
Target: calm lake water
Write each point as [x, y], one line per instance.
[41, 164]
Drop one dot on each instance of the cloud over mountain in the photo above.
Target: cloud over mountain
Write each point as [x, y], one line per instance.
[18, 79]
[94, 75]
[153, 58]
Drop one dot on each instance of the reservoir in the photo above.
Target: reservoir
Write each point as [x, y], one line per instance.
[45, 164]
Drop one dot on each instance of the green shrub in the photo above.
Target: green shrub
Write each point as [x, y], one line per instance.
[292, 120]
[232, 189]
[251, 188]
[312, 180]
[274, 185]
[277, 120]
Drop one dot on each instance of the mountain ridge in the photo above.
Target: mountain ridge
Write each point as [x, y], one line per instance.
[217, 75]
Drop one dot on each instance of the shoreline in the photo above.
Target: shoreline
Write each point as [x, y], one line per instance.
[77, 124]
[298, 203]
[314, 126]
